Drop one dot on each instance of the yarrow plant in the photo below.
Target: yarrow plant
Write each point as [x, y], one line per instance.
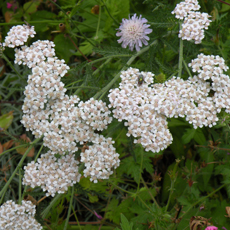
[146, 107]
[78, 146]
[194, 22]
[63, 120]
[133, 32]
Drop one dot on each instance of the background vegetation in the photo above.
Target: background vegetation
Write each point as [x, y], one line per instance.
[165, 190]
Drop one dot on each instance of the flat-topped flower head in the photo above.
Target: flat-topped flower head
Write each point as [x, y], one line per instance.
[194, 22]
[133, 32]
[18, 35]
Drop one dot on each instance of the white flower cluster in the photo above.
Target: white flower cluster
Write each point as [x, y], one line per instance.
[194, 22]
[62, 120]
[95, 114]
[52, 174]
[132, 103]
[33, 55]
[211, 68]
[100, 158]
[179, 98]
[20, 217]
[146, 107]
[18, 35]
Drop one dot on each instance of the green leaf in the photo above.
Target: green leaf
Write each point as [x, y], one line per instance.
[92, 198]
[125, 223]
[188, 135]
[207, 171]
[199, 136]
[64, 47]
[85, 182]
[85, 48]
[31, 7]
[67, 3]
[6, 120]
[172, 122]
[177, 147]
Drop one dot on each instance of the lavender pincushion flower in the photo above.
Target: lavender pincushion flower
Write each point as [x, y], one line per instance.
[133, 32]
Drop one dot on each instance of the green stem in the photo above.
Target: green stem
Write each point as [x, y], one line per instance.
[123, 190]
[102, 65]
[130, 61]
[138, 186]
[173, 180]
[94, 73]
[30, 22]
[153, 198]
[9, 150]
[12, 67]
[72, 83]
[110, 14]
[17, 168]
[180, 54]
[187, 69]
[20, 187]
[108, 57]
[47, 210]
[134, 195]
[82, 87]
[69, 210]
[76, 217]
[200, 200]
[144, 204]
[98, 23]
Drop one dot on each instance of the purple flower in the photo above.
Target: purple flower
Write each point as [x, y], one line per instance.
[211, 228]
[133, 32]
[224, 228]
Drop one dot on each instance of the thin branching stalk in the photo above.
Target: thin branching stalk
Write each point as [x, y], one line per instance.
[138, 186]
[187, 69]
[110, 14]
[20, 187]
[197, 202]
[94, 73]
[180, 54]
[12, 67]
[173, 180]
[98, 22]
[69, 210]
[151, 195]
[47, 210]
[17, 168]
[76, 217]
[101, 93]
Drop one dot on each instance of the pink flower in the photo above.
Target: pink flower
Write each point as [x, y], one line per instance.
[9, 5]
[133, 32]
[97, 215]
[211, 228]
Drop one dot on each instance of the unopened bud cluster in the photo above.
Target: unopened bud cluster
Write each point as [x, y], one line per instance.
[146, 106]
[194, 22]
[63, 121]
[20, 217]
